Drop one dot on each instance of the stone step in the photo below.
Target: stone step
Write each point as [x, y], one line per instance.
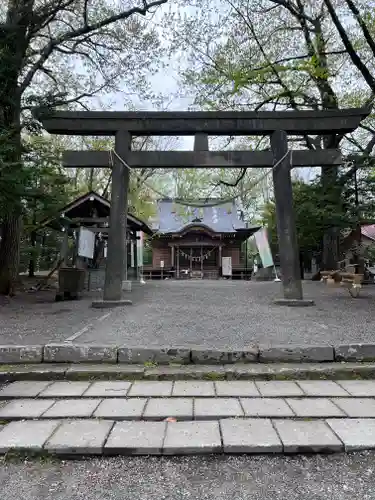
[189, 388]
[252, 436]
[187, 400]
[238, 371]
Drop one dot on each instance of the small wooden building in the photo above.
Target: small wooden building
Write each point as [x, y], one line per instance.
[191, 242]
[92, 211]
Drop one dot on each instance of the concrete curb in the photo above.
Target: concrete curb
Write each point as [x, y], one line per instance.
[94, 353]
[238, 371]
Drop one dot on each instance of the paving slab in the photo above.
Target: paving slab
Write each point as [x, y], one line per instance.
[250, 435]
[23, 389]
[72, 408]
[266, 407]
[356, 434]
[108, 389]
[161, 408]
[314, 408]
[25, 408]
[361, 388]
[65, 389]
[236, 388]
[215, 408]
[216, 356]
[136, 438]
[83, 437]
[355, 352]
[21, 354]
[121, 409]
[190, 388]
[279, 388]
[296, 353]
[79, 353]
[356, 407]
[313, 436]
[26, 435]
[183, 438]
[155, 354]
[321, 388]
[151, 388]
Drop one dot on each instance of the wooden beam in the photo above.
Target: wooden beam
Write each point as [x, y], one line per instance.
[103, 123]
[201, 159]
[92, 220]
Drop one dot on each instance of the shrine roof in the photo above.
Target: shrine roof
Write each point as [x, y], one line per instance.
[223, 217]
[89, 205]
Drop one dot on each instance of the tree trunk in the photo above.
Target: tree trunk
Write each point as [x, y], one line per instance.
[32, 254]
[9, 253]
[330, 255]
[13, 46]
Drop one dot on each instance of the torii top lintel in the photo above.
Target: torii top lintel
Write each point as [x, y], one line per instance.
[101, 123]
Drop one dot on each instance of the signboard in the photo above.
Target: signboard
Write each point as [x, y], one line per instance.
[261, 240]
[86, 243]
[162, 264]
[226, 265]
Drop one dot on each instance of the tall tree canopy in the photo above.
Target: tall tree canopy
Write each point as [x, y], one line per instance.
[283, 54]
[60, 53]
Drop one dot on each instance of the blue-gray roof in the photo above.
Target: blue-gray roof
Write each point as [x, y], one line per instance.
[172, 217]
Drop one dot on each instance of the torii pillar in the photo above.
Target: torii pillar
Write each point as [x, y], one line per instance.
[116, 263]
[286, 226]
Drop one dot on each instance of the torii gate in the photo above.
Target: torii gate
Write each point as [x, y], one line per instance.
[277, 125]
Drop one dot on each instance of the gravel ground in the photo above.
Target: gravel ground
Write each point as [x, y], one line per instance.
[227, 314]
[207, 313]
[336, 477]
[35, 318]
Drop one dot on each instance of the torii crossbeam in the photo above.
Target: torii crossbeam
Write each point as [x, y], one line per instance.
[277, 125]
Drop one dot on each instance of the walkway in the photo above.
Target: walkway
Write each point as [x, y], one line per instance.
[216, 314]
[187, 417]
[234, 313]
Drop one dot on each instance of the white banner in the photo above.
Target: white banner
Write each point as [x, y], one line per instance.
[264, 249]
[140, 248]
[86, 243]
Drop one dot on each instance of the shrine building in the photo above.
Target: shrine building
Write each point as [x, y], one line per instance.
[193, 241]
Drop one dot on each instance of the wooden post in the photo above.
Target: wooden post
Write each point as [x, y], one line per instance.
[191, 259]
[135, 256]
[202, 261]
[116, 265]
[172, 256]
[220, 257]
[178, 262]
[286, 227]
[65, 247]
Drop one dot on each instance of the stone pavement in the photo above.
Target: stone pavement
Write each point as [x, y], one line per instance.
[187, 417]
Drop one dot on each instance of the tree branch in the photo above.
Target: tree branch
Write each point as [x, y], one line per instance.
[361, 22]
[357, 61]
[86, 29]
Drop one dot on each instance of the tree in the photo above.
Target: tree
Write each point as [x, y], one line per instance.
[48, 190]
[42, 43]
[276, 54]
[317, 210]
